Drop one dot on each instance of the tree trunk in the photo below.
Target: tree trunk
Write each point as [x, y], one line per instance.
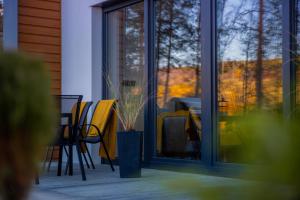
[260, 54]
[198, 59]
[169, 52]
[245, 79]
[158, 33]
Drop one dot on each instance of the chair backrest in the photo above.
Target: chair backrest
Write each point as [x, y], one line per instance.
[101, 115]
[84, 113]
[84, 109]
[174, 134]
[67, 103]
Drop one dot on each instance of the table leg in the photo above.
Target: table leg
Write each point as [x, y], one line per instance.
[70, 149]
[60, 160]
[70, 159]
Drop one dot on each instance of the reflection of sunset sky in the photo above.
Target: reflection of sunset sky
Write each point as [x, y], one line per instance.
[186, 55]
[238, 36]
[234, 49]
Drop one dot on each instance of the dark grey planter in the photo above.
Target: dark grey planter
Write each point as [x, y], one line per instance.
[130, 153]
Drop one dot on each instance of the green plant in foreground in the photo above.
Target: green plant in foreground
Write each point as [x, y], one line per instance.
[27, 122]
[271, 146]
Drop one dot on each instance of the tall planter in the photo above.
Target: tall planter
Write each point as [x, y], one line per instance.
[130, 153]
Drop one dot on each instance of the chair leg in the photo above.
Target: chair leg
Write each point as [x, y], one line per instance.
[85, 160]
[106, 152]
[80, 161]
[68, 160]
[66, 151]
[51, 157]
[46, 158]
[89, 155]
[67, 166]
[37, 180]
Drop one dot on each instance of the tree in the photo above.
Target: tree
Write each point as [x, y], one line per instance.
[178, 38]
[260, 54]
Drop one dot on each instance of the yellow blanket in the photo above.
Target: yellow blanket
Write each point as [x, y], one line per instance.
[105, 118]
[160, 120]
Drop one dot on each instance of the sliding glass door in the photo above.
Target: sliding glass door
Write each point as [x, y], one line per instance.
[178, 75]
[125, 59]
[249, 49]
[202, 64]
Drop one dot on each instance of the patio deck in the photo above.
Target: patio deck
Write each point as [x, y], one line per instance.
[102, 183]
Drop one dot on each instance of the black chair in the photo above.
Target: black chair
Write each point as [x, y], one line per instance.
[100, 134]
[66, 105]
[82, 121]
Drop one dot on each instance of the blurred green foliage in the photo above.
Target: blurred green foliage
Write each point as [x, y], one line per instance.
[271, 149]
[27, 121]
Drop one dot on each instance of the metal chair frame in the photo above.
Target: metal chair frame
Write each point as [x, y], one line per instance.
[99, 138]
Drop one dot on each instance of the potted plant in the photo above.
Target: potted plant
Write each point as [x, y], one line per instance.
[27, 122]
[130, 103]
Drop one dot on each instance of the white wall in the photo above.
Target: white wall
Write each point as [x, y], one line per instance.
[77, 47]
[81, 52]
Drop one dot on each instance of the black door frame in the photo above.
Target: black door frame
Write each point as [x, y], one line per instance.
[209, 147]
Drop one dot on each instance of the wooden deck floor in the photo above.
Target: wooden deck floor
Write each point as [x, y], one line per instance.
[102, 183]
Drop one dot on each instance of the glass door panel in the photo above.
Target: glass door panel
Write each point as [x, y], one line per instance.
[178, 74]
[249, 39]
[125, 56]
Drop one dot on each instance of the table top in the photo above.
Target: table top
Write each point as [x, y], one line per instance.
[66, 114]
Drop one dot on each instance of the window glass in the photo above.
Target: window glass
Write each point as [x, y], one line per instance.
[125, 58]
[249, 39]
[178, 73]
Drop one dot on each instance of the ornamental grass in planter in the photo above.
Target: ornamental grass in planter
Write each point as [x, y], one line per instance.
[26, 122]
[130, 142]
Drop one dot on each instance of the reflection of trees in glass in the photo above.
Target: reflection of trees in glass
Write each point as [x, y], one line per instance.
[260, 53]
[250, 62]
[178, 41]
[125, 54]
[134, 37]
[227, 26]
[249, 53]
[131, 45]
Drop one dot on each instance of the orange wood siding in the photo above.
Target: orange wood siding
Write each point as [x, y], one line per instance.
[40, 34]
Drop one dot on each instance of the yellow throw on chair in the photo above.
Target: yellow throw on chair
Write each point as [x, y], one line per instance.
[105, 119]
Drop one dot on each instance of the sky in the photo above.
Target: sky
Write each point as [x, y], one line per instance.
[234, 51]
